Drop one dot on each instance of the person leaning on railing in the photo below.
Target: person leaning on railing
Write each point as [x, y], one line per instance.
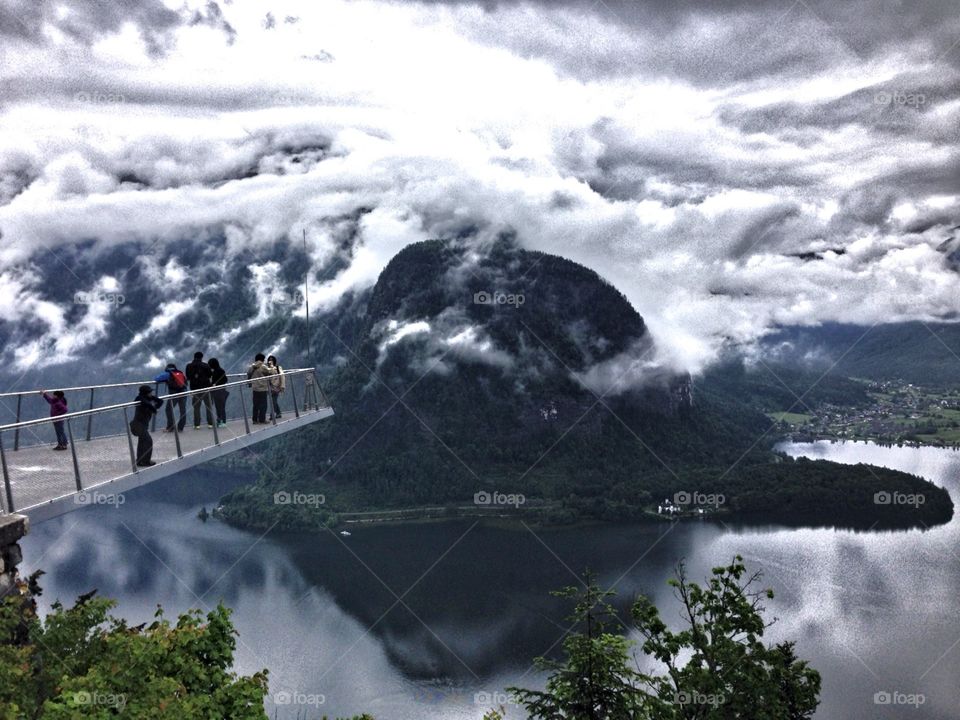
[176, 382]
[147, 406]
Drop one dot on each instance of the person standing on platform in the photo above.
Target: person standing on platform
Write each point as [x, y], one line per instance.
[147, 406]
[278, 384]
[176, 382]
[259, 374]
[198, 375]
[218, 377]
[58, 406]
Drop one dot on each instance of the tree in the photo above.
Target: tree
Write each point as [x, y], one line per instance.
[81, 662]
[596, 680]
[715, 667]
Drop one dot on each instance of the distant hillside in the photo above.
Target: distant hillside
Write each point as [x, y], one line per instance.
[919, 353]
[522, 372]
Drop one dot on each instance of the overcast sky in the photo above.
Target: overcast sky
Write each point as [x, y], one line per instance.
[728, 164]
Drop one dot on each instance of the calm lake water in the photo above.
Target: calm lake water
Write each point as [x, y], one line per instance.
[412, 622]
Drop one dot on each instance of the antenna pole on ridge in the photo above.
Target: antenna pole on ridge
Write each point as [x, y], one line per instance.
[306, 296]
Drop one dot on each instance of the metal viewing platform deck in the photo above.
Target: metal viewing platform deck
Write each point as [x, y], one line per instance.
[100, 461]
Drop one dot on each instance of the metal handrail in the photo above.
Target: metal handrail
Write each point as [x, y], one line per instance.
[80, 388]
[134, 403]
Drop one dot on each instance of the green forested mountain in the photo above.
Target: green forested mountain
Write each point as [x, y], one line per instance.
[921, 353]
[550, 390]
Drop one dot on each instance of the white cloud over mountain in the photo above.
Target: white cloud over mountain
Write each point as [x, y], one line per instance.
[728, 166]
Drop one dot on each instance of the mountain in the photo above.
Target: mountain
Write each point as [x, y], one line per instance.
[920, 353]
[523, 373]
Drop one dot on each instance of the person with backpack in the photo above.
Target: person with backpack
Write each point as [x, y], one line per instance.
[147, 406]
[278, 383]
[58, 406]
[198, 375]
[176, 382]
[259, 373]
[218, 377]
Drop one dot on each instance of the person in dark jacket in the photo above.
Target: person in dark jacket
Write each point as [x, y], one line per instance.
[278, 384]
[176, 382]
[218, 377]
[147, 406]
[198, 375]
[58, 406]
[258, 373]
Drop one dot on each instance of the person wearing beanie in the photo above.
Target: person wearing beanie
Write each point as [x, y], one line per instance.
[146, 408]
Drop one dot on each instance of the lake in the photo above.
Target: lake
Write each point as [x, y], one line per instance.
[422, 621]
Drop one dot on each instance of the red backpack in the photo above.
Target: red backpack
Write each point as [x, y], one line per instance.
[177, 381]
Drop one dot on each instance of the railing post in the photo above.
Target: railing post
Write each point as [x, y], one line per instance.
[153, 422]
[273, 415]
[16, 433]
[73, 453]
[216, 420]
[133, 455]
[176, 426]
[243, 407]
[293, 393]
[90, 417]
[6, 477]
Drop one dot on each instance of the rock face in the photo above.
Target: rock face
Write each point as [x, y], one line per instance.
[12, 529]
[506, 367]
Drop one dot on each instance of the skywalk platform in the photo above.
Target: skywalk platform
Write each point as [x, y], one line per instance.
[41, 482]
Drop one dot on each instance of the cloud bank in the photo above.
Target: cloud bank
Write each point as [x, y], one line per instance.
[729, 166]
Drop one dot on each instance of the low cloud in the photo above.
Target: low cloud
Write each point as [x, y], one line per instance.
[699, 174]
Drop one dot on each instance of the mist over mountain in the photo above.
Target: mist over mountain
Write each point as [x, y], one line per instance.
[916, 352]
[526, 373]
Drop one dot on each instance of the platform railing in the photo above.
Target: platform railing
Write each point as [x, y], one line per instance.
[108, 392]
[105, 447]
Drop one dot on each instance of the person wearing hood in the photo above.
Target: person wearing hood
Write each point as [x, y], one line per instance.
[146, 408]
[218, 376]
[176, 382]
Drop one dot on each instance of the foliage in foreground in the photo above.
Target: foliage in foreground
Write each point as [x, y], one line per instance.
[82, 662]
[716, 666]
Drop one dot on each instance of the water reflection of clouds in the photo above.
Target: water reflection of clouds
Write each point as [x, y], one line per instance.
[871, 611]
